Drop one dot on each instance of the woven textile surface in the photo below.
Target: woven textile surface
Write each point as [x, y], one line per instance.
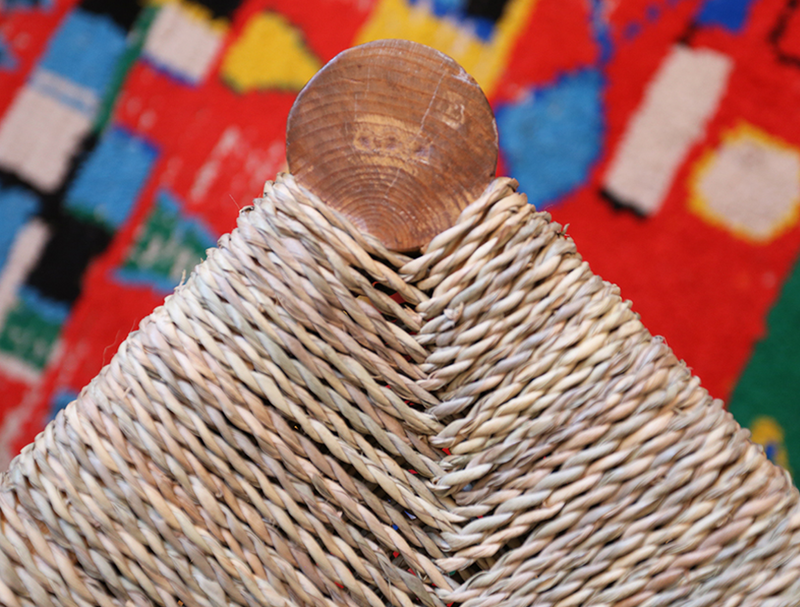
[662, 132]
[486, 424]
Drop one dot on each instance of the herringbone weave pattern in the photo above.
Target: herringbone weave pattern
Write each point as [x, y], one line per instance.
[313, 420]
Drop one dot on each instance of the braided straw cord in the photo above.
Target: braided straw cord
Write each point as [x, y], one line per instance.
[274, 434]
[590, 466]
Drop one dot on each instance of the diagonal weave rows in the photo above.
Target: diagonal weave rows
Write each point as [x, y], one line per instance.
[273, 435]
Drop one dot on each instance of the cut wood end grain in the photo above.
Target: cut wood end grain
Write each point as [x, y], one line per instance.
[397, 137]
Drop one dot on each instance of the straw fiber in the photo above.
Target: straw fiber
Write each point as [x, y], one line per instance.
[313, 420]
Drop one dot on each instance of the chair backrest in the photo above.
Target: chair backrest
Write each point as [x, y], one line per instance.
[315, 419]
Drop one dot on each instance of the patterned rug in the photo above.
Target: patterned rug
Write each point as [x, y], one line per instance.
[665, 133]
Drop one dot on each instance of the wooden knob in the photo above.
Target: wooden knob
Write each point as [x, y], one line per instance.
[397, 137]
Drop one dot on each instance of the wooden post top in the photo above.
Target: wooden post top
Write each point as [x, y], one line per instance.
[397, 137]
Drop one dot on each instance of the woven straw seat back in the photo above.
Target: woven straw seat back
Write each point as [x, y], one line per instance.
[314, 420]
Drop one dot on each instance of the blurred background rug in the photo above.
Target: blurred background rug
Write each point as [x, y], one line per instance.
[666, 133]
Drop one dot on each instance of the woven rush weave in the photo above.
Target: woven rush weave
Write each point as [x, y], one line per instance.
[314, 420]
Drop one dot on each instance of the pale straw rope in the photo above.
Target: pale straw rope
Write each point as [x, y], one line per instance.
[272, 435]
[591, 466]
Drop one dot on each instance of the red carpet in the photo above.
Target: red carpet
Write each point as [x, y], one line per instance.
[666, 134]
